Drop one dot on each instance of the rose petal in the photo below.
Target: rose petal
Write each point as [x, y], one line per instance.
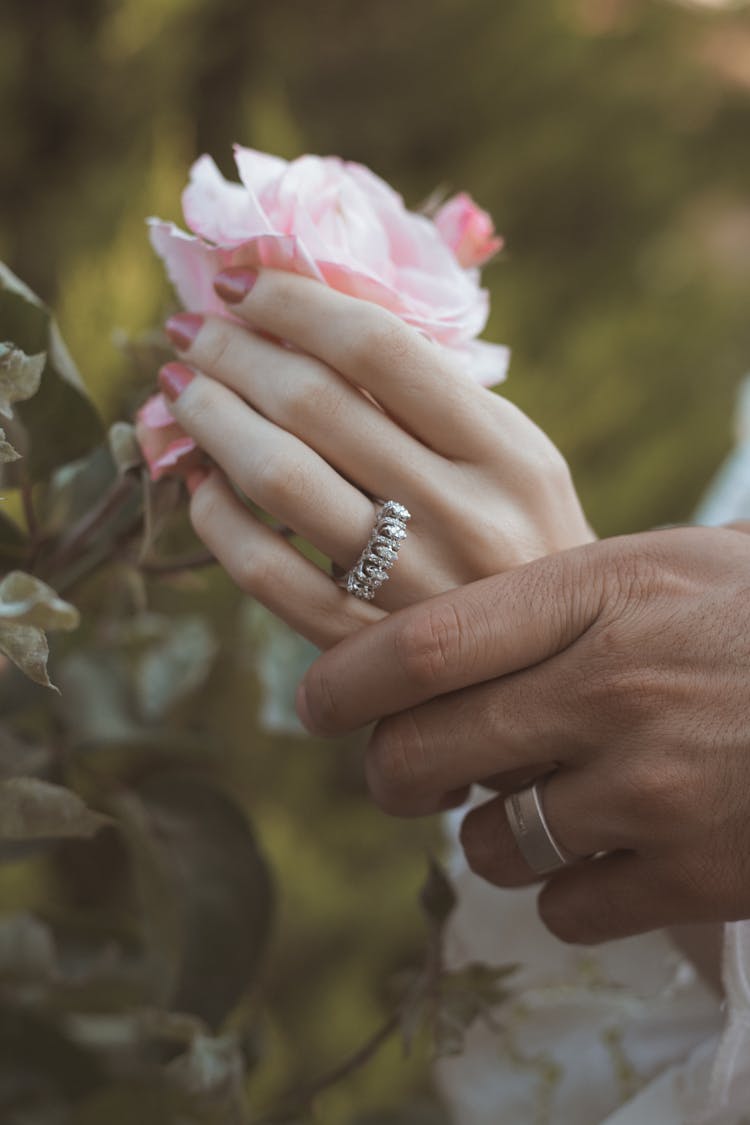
[173, 458]
[218, 210]
[155, 413]
[191, 266]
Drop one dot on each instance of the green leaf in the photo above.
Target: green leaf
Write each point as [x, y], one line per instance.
[205, 888]
[60, 419]
[31, 809]
[175, 666]
[20, 376]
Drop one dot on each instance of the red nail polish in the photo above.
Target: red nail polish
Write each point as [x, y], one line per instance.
[234, 284]
[195, 479]
[173, 378]
[182, 329]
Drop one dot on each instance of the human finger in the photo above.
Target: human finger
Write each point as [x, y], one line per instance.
[490, 734]
[268, 567]
[310, 400]
[415, 380]
[614, 896]
[272, 467]
[481, 631]
[576, 813]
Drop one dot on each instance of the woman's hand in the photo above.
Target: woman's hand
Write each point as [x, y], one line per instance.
[625, 663]
[289, 426]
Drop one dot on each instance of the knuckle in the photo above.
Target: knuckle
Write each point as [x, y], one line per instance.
[278, 484]
[627, 698]
[323, 702]
[196, 406]
[217, 345]
[204, 510]
[280, 295]
[656, 790]
[307, 400]
[397, 762]
[429, 644]
[379, 339]
[249, 572]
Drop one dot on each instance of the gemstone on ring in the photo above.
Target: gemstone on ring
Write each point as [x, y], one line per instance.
[381, 551]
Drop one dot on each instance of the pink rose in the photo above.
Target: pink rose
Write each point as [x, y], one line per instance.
[340, 224]
[468, 230]
[165, 446]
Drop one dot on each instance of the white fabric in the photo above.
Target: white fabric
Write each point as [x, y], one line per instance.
[623, 1034]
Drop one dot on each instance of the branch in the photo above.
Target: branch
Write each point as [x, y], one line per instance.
[195, 561]
[82, 531]
[337, 1074]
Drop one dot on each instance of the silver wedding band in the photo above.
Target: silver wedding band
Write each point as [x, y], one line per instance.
[529, 826]
[371, 568]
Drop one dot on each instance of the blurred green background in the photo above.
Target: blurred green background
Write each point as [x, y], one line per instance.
[608, 138]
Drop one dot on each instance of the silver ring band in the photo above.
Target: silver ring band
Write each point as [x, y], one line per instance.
[371, 568]
[536, 843]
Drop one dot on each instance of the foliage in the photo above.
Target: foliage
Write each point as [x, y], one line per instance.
[607, 137]
[135, 970]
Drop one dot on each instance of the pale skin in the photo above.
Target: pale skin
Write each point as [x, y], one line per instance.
[621, 666]
[487, 490]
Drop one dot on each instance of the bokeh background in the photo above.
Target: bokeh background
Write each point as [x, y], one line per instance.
[608, 138]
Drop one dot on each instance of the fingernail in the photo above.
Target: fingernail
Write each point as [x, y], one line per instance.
[234, 284]
[182, 328]
[195, 479]
[173, 378]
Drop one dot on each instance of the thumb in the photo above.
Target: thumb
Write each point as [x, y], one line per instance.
[474, 633]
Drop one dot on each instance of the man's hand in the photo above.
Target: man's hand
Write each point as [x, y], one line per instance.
[624, 666]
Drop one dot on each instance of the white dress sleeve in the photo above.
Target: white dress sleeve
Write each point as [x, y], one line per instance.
[586, 1033]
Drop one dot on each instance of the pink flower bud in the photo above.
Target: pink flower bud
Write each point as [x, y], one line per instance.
[468, 230]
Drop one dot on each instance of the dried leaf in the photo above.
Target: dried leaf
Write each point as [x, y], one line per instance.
[7, 452]
[28, 607]
[212, 1069]
[124, 447]
[27, 647]
[31, 809]
[467, 995]
[60, 420]
[20, 376]
[26, 600]
[437, 896]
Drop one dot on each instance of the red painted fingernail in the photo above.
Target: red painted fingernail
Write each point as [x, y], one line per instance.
[234, 284]
[173, 378]
[195, 479]
[182, 328]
